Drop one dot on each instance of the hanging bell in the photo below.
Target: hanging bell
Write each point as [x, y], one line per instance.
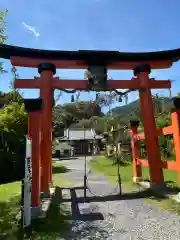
[126, 99]
[170, 93]
[77, 96]
[72, 98]
[97, 96]
[120, 99]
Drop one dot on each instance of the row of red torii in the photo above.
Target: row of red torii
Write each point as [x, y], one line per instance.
[40, 119]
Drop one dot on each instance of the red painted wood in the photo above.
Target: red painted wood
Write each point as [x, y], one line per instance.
[27, 83]
[137, 171]
[35, 119]
[155, 84]
[83, 84]
[79, 64]
[176, 136]
[160, 131]
[151, 139]
[165, 131]
[46, 144]
[164, 164]
[69, 84]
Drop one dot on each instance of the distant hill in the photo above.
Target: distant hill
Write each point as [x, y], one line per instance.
[124, 111]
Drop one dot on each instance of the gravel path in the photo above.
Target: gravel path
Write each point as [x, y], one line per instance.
[117, 219]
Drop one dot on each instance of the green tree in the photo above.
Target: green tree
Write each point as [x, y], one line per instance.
[13, 127]
[3, 36]
[10, 97]
[77, 114]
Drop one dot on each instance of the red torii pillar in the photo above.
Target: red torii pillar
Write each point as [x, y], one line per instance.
[35, 136]
[46, 71]
[137, 171]
[175, 117]
[151, 139]
[45, 84]
[33, 107]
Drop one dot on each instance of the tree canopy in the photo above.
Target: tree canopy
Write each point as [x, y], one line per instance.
[3, 36]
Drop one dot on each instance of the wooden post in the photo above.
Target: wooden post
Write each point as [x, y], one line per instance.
[29, 126]
[151, 138]
[175, 116]
[137, 171]
[50, 165]
[35, 134]
[46, 71]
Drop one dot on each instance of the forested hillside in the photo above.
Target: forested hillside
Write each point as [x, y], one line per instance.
[131, 109]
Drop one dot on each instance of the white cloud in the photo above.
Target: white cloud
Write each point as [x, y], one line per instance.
[31, 29]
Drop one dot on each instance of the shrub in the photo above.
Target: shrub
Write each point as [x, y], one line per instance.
[13, 127]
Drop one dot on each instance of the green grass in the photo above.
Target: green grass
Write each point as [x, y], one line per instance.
[59, 180]
[170, 176]
[7, 191]
[104, 166]
[10, 208]
[55, 225]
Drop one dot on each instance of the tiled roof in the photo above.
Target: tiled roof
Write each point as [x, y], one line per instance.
[80, 134]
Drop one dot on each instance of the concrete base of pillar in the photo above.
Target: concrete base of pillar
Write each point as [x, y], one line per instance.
[158, 189]
[137, 179]
[35, 212]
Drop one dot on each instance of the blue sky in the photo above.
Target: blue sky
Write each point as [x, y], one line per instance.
[123, 25]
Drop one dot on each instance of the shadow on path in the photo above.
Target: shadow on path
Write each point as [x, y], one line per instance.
[67, 158]
[117, 197]
[60, 222]
[76, 215]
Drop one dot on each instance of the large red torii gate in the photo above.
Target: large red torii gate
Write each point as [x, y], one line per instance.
[48, 61]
